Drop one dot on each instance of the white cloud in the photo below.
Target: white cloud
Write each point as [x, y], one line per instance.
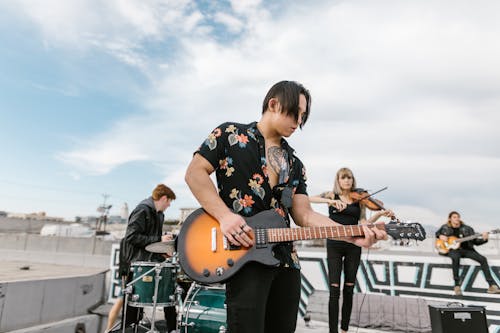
[404, 92]
[232, 23]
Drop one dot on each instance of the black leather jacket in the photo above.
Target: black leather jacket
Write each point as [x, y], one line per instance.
[145, 226]
[463, 231]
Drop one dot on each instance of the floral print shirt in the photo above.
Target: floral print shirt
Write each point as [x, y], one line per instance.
[237, 153]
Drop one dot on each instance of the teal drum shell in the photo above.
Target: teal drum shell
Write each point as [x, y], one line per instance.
[204, 310]
[144, 288]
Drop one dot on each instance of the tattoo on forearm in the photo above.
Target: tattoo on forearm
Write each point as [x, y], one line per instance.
[278, 160]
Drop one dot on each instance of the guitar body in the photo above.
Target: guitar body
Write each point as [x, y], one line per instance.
[444, 247]
[202, 252]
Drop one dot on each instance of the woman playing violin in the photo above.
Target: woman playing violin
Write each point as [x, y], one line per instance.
[342, 255]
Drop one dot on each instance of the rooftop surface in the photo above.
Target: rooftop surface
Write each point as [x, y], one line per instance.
[12, 271]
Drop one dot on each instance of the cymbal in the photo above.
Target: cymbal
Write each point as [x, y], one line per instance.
[167, 247]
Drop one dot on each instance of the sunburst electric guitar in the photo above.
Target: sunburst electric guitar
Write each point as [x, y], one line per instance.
[453, 242]
[206, 256]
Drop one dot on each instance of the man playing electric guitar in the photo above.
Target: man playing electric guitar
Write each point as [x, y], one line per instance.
[456, 228]
[257, 170]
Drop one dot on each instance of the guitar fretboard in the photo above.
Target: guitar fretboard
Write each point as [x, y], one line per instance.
[275, 235]
[468, 238]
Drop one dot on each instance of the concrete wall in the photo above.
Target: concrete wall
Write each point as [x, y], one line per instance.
[33, 242]
[88, 252]
[88, 324]
[8, 224]
[13, 241]
[25, 304]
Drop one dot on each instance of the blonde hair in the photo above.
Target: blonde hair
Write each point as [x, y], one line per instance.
[338, 190]
[343, 172]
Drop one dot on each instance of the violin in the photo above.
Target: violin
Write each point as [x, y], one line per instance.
[364, 198]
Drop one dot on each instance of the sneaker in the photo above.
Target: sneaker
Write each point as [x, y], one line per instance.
[458, 291]
[493, 289]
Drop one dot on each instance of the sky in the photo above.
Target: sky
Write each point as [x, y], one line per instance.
[107, 98]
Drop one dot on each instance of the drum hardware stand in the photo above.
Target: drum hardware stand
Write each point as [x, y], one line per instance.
[127, 291]
[157, 269]
[180, 323]
[179, 291]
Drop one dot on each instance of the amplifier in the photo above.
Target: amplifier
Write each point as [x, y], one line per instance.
[458, 319]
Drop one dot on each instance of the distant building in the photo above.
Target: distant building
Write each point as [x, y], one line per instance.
[90, 220]
[185, 213]
[124, 211]
[116, 219]
[71, 230]
[40, 216]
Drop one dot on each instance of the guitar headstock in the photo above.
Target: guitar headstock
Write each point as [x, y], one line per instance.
[410, 230]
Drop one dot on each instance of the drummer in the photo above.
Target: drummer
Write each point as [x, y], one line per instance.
[145, 226]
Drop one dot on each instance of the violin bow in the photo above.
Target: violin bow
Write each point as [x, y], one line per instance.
[370, 194]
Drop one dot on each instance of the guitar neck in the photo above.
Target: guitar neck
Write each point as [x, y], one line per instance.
[276, 235]
[468, 238]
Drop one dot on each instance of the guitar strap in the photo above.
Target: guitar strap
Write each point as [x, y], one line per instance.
[287, 193]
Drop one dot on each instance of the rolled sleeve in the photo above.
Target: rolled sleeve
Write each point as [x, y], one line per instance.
[213, 147]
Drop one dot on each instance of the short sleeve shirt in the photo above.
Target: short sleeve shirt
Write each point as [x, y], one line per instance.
[237, 153]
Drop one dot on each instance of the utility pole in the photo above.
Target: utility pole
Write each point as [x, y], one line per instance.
[104, 210]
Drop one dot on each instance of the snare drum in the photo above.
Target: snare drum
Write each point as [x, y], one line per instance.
[204, 310]
[144, 288]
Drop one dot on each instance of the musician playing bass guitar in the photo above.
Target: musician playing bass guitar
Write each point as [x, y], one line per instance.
[455, 227]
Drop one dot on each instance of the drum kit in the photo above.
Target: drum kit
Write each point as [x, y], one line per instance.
[162, 284]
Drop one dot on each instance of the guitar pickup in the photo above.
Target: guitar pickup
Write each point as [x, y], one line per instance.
[214, 239]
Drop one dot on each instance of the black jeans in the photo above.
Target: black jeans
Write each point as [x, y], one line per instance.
[347, 257]
[455, 256]
[262, 299]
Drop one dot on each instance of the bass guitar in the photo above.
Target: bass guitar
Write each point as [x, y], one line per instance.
[206, 256]
[453, 243]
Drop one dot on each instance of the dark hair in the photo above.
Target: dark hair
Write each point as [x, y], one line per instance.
[161, 190]
[453, 213]
[288, 92]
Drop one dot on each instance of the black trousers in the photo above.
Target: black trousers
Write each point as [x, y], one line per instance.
[346, 258]
[455, 256]
[262, 299]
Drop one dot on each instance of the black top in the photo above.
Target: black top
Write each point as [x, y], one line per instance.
[237, 153]
[349, 216]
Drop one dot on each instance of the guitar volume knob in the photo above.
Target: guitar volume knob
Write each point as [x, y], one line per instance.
[206, 273]
[219, 271]
[230, 262]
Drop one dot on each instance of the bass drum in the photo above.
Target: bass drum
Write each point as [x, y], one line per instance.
[204, 310]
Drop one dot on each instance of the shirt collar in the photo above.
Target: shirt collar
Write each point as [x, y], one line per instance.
[254, 133]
